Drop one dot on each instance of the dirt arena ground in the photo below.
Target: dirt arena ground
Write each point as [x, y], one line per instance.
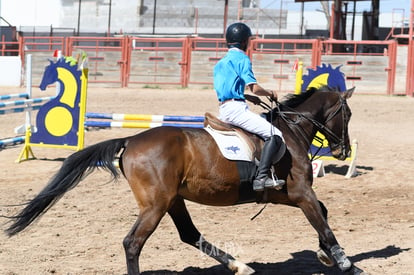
[372, 214]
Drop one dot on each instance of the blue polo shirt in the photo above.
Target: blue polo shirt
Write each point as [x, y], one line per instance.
[231, 75]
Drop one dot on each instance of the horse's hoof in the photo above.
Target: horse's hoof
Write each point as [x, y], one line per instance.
[324, 258]
[240, 268]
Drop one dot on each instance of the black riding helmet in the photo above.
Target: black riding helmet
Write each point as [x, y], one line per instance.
[237, 36]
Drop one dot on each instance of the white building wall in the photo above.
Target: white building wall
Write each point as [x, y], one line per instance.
[174, 17]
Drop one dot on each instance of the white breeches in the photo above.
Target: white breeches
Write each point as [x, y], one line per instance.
[237, 113]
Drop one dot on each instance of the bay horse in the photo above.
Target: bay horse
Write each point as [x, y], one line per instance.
[165, 166]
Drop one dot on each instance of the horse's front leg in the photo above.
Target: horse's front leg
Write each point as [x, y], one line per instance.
[302, 194]
[323, 253]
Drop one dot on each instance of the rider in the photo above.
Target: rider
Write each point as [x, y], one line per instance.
[231, 75]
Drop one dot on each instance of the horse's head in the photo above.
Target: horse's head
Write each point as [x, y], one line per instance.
[335, 126]
[50, 75]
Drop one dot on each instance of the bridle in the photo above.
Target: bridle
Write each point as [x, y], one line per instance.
[337, 142]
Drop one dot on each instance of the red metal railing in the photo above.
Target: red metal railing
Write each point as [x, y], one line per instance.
[275, 59]
[106, 57]
[202, 55]
[8, 48]
[157, 60]
[370, 61]
[369, 65]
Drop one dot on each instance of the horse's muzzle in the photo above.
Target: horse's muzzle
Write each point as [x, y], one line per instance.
[341, 152]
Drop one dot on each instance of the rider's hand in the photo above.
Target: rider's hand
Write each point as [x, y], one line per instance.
[273, 96]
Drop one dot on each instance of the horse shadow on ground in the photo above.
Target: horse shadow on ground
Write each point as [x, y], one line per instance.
[47, 159]
[343, 169]
[301, 263]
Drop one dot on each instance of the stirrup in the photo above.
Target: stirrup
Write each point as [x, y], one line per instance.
[275, 183]
[261, 184]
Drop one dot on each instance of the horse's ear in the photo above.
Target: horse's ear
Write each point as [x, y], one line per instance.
[348, 93]
[50, 60]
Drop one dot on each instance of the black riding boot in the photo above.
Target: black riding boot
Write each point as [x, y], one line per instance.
[273, 150]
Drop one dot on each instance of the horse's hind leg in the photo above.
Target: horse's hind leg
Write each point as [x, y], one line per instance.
[190, 235]
[145, 225]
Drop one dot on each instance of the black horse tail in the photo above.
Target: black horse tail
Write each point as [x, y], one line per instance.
[73, 170]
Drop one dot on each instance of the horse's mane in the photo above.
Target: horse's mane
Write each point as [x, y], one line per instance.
[294, 100]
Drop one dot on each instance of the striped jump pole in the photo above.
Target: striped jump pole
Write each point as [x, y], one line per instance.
[8, 141]
[142, 120]
[20, 95]
[20, 110]
[25, 101]
[144, 117]
[31, 104]
[139, 124]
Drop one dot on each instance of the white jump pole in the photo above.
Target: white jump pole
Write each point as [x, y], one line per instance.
[28, 123]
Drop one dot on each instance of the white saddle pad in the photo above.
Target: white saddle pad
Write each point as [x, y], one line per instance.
[231, 145]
